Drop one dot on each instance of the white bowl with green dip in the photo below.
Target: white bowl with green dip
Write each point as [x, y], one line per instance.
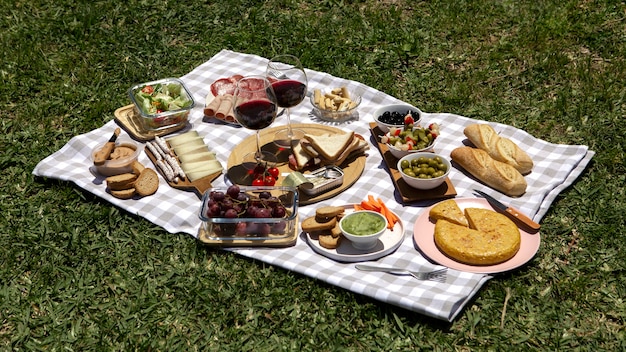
[363, 228]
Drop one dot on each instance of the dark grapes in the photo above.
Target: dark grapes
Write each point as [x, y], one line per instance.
[237, 204]
[233, 191]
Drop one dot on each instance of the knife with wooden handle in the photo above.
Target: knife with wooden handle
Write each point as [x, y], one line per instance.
[514, 213]
[102, 155]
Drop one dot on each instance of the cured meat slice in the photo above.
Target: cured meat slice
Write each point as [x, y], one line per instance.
[223, 86]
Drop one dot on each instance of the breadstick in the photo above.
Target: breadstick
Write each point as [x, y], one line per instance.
[161, 143]
[154, 150]
[166, 169]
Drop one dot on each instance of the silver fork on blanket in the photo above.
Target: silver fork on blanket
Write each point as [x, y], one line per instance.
[433, 275]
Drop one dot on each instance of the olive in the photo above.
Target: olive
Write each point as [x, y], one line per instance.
[409, 172]
[405, 164]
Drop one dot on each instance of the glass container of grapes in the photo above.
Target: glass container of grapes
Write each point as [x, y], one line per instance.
[251, 213]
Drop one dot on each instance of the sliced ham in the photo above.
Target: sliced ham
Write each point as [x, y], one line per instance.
[226, 107]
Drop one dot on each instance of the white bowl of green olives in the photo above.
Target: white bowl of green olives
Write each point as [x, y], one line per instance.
[424, 170]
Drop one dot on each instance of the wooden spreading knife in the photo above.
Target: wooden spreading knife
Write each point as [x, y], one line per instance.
[516, 214]
[103, 154]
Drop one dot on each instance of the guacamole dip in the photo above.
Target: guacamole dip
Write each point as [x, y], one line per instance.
[363, 223]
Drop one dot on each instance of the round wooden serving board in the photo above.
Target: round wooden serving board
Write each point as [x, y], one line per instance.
[352, 168]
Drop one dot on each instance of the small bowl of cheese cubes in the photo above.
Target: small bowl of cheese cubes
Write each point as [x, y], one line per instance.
[335, 104]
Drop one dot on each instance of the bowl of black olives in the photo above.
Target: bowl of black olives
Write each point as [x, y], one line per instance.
[396, 115]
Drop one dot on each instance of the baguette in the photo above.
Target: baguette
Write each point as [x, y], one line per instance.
[502, 149]
[498, 175]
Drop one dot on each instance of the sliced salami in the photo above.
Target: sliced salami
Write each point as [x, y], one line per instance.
[223, 86]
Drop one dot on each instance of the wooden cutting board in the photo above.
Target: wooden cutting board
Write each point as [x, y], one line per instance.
[352, 168]
[129, 120]
[408, 193]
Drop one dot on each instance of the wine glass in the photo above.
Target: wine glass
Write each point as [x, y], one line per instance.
[290, 86]
[255, 109]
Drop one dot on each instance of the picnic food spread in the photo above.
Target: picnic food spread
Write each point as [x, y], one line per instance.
[175, 208]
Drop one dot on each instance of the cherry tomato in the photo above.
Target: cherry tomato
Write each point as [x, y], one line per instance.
[274, 172]
[258, 182]
[269, 180]
[147, 89]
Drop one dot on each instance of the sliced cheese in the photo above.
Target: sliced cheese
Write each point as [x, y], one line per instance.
[190, 141]
[193, 157]
[200, 165]
[199, 173]
[190, 149]
[182, 137]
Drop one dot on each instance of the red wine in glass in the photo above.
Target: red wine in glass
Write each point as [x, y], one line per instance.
[289, 92]
[255, 109]
[289, 82]
[256, 114]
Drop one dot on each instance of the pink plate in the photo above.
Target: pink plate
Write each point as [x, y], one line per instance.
[424, 237]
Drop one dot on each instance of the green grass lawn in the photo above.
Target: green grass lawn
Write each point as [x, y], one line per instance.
[78, 274]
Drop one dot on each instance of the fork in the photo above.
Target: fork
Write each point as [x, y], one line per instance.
[434, 275]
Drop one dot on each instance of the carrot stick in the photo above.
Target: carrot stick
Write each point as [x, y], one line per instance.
[367, 206]
[371, 200]
[391, 217]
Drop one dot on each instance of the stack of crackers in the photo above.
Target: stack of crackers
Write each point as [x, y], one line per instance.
[324, 226]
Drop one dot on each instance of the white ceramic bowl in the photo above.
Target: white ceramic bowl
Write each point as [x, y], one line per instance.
[369, 234]
[424, 183]
[401, 108]
[398, 153]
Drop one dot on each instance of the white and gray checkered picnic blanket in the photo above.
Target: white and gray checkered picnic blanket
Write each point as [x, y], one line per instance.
[556, 167]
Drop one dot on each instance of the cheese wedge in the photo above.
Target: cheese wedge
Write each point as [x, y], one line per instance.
[193, 157]
[200, 165]
[190, 141]
[183, 137]
[199, 173]
[191, 149]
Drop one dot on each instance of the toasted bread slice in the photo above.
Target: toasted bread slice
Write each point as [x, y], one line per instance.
[121, 181]
[330, 146]
[312, 224]
[329, 211]
[147, 183]
[123, 194]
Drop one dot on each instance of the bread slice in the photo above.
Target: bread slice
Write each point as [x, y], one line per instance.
[300, 156]
[357, 147]
[123, 194]
[330, 146]
[147, 183]
[328, 211]
[121, 181]
[137, 167]
[329, 241]
[312, 224]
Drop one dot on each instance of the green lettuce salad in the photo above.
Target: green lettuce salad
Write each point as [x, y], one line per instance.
[158, 98]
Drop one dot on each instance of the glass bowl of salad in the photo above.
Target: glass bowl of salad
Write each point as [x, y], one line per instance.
[162, 104]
